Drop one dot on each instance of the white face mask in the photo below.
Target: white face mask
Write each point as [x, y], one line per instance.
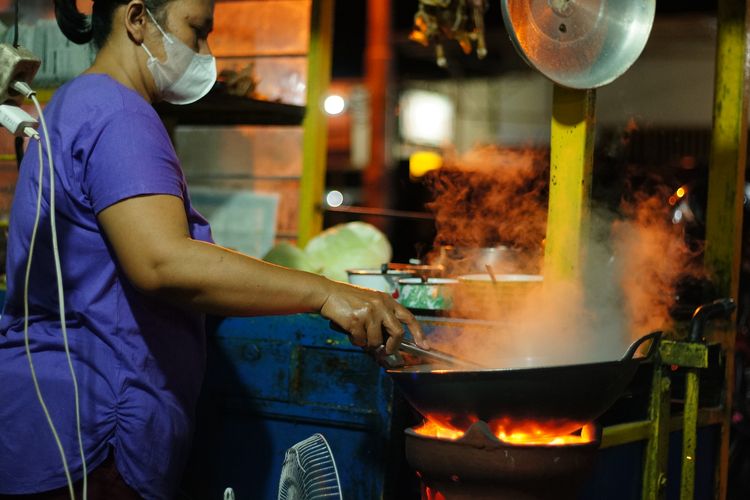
[185, 76]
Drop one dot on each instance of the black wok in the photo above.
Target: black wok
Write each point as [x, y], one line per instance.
[552, 400]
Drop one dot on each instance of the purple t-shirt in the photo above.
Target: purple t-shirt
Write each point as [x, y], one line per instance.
[139, 362]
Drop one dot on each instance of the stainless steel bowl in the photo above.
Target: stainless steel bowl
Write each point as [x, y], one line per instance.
[377, 279]
[580, 44]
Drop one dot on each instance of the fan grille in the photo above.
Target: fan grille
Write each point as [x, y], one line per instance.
[309, 471]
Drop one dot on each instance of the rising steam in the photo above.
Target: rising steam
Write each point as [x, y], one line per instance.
[480, 199]
[635, 256]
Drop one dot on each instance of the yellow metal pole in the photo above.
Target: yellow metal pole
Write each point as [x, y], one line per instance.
[692, 356]
[630, 432]
[571, 163]
[726, 186]
[655, 468]
[310, 220]
[689, 430]
[728, 148]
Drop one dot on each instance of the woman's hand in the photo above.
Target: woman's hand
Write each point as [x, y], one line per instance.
[365, 314]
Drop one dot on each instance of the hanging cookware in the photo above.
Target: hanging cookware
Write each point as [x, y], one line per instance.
[580, 44]
[561, 398]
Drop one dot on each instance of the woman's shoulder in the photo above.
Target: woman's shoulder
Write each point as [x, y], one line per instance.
[96, 97]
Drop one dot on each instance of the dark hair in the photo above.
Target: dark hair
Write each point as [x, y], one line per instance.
[79, 29]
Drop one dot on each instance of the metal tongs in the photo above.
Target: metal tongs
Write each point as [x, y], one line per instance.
[391, 361]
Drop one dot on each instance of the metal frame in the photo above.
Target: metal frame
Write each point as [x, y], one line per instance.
[572, 149]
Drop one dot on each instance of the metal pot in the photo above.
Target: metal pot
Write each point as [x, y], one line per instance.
[383, 280]
[580, 44]
[562, 398]
[465, 260]
[419, 270]
[482, 295]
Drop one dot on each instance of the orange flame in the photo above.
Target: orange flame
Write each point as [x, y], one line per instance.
[535, 434]
[431, 429]
[430, 494]
[523, 433]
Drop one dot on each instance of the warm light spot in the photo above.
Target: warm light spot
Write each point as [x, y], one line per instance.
[334, 104]
[422, 162]
[419, 37]
[680, 192]
[632, 125]
[334, 198]
[85, 6]
[426, 118]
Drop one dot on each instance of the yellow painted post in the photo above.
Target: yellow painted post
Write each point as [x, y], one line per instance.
[693, 356]
[310, 220]
[689, 430]
[571, 164]
[726, 186]
[628, 432]
[655, 467]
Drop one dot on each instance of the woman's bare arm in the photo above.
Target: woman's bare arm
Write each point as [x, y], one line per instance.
[151, 240]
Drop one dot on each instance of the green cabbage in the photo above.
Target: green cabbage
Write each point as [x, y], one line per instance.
[355, 245]
[292, 256]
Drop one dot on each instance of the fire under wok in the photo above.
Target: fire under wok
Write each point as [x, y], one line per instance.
[552, 400]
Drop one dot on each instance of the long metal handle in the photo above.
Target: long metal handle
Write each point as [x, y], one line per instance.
[434, 355]
[720, 308]
[653, 336]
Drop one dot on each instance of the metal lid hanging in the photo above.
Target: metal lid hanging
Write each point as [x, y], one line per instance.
[580, 44]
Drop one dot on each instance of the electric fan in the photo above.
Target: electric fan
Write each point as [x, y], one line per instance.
[309, 472]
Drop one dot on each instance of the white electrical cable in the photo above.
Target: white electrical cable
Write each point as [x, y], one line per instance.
[26, 321]
[61, 301]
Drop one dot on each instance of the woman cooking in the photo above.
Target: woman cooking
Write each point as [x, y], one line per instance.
[138, 266]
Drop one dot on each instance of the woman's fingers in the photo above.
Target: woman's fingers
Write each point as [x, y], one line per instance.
[405, 316]
[358, 334]
[374, 333]
[395, 332]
